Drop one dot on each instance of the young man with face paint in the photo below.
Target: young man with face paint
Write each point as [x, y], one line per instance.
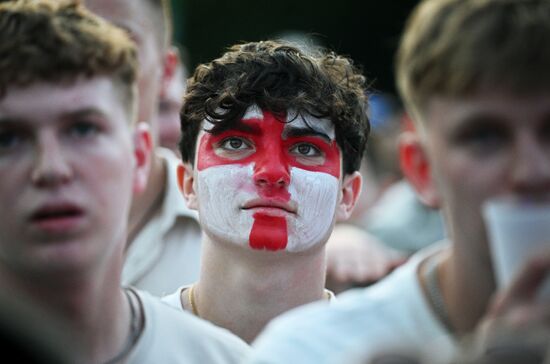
[163, 249]
[71, 156]
[474, 76]
[272, 140]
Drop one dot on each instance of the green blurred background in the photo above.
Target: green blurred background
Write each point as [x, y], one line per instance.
[367, 31]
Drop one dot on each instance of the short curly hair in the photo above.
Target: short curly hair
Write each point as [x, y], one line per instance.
[278, 76]
[58, 41]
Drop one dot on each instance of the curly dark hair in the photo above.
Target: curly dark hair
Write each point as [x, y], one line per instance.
[278, 76]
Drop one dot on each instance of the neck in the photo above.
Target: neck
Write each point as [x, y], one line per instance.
[92, 308]
[242, 290]
[467, 285]
[145, 205]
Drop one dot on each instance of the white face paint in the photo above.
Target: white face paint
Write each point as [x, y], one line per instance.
[224, 190]
[269, 185]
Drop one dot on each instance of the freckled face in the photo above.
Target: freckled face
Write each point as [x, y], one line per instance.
[269, 184]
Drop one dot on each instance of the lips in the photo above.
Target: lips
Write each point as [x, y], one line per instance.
[57, 217]
[270, 204]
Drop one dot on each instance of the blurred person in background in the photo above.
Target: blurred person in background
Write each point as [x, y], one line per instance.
[170, 105]
[163, 249]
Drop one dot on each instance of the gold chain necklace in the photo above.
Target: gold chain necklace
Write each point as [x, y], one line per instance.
[191, 298]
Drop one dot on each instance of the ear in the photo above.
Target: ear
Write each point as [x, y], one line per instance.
[171, 60]
[143, 144]
[416, 167]
[350, 191]
[186, 183]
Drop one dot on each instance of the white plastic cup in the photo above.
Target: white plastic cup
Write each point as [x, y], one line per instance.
[519, 230]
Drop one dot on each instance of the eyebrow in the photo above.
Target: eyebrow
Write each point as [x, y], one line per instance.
[8, 120]
[241, 125]
[294, 132]
[17, 120]
[82, 113]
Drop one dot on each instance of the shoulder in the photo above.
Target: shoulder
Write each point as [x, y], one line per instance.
[176, 336]
[360, 320]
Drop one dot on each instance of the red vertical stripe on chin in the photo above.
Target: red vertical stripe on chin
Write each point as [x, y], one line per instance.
[268, 232]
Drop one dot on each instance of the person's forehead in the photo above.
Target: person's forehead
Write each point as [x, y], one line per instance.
[132, 15]
[43, 101]
[293, 121]
[497, 104]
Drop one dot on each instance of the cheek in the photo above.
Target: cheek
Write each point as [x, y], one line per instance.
[463, 177]
[316, 195]
[331, 164]
[221, 190]
[105, 169]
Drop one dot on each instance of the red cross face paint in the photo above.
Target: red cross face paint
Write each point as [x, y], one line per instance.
[269, 184]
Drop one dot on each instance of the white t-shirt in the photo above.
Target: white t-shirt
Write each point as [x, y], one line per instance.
[173, 300]
[166, 252]
[172, 336]
[390, 316]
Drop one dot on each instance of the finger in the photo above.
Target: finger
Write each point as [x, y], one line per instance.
[526, 284]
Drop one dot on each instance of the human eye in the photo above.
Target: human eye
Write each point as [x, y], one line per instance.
[482, 138]
[83, 129]
[10, 138]
[306, 150]
[234, 144]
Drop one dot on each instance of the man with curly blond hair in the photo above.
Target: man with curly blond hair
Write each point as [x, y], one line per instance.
[71, 157]
[272, 138]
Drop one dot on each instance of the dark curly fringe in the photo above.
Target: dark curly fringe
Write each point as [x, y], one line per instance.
[278, 77]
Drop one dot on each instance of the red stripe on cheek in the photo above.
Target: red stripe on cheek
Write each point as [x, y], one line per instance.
[268, 232]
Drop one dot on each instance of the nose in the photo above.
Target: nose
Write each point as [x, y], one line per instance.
[531, 166]
[50, 167]
[272, 171]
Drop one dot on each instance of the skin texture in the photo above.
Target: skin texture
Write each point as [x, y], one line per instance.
[71, 163]
[134, 17]
[500, 141]
[68, 151]
[156, 69]
[491, 143]
[261, 187]
[169, 108]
